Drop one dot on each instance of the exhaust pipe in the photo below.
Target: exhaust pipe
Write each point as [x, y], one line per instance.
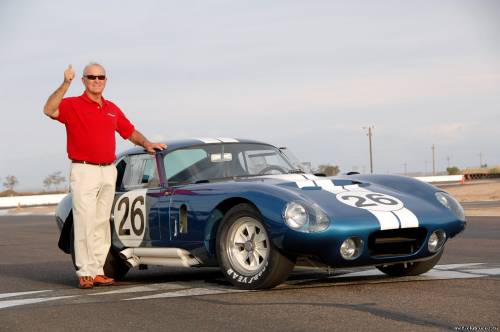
[173, 257]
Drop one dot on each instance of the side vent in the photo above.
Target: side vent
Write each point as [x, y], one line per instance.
[183, 216]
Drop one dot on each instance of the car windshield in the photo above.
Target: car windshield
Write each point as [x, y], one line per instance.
[208, 162]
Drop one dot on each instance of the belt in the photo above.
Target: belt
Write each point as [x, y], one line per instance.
[89, 163]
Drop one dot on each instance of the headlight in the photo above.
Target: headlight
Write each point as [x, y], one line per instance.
[451, 204]
[351, 248]
[295, 215]
[436, 241]
[304, 218]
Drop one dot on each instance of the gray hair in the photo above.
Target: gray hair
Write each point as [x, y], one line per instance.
[93, 64]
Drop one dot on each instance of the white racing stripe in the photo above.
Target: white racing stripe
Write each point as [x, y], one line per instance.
[208, 140]
[402, 218]
[285, 177]
[328, 185]
[305, 183]
[227, 140]
[355, 187]
[407, 218]
[387, 220]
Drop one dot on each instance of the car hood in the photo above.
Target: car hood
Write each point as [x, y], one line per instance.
[351, 199]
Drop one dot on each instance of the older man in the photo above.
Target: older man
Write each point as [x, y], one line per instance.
[91, 122]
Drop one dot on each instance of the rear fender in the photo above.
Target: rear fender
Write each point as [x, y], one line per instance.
[65, 238]
[64, 219]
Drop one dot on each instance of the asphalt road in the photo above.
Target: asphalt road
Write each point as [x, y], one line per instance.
[37, 292]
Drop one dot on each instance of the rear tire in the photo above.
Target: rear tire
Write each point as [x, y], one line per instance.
[411, 269]
[246, 255]
[114, 267]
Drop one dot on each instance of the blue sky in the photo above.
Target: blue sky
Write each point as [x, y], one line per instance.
[303, 74]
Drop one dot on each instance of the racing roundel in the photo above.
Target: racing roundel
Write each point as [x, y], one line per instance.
[130, 217]
[369, 200]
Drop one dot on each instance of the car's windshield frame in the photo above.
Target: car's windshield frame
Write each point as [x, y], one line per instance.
[222, 161]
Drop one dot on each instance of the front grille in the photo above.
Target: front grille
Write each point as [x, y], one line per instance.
[396, 242]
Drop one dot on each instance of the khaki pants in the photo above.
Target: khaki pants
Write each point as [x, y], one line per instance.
[92, 189]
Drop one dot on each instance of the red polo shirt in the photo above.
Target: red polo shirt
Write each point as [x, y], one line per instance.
[90, 129]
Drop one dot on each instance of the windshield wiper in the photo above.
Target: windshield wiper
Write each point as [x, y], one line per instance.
[296, 171]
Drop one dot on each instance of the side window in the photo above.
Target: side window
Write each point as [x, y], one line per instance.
[140, 172]
[121, 165]
[197, 164]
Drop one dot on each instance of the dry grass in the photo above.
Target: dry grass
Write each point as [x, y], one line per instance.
[475, 191]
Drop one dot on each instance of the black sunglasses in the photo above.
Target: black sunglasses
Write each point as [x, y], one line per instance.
[93, 77]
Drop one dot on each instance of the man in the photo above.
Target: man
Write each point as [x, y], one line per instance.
[91, 122]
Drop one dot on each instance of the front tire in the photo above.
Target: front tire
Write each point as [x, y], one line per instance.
[410, 269]
[245, 253]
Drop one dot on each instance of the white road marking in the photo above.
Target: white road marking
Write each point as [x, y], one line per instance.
[147, 288]
[490, 272]
[5, 295]
[189, 292]
[12, 303]
[455, 266]
[199, 288]
[435, 274]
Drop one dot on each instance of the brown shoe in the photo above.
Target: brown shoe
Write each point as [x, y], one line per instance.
[101, 280]
[85, 282]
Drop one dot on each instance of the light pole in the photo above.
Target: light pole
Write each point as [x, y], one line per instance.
[433, 159]
[370, 134]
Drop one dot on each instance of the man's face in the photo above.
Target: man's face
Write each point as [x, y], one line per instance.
[91, 79]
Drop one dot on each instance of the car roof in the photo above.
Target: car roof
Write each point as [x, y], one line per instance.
[174, 144]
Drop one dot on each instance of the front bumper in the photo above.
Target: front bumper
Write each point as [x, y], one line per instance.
[379, 247]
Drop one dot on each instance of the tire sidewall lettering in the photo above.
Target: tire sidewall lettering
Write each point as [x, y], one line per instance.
[246, 279]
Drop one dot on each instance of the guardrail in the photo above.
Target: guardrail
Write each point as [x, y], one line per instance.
[32, 200]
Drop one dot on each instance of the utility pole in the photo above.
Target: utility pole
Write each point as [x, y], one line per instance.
[480, 159]
[448, 161]
[370, 134]
[433, 159]
[405, 165]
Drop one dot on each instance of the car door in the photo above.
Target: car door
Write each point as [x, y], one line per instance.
[135, 212]
[186, 171]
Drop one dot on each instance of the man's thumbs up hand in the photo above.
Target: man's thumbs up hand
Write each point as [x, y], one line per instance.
[69, 74]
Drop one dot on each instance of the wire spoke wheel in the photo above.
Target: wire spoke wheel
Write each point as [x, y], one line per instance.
[247, 245]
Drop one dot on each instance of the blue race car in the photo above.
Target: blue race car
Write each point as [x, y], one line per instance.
[242, 205]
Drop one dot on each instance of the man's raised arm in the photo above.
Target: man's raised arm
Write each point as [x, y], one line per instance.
[51, 107]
